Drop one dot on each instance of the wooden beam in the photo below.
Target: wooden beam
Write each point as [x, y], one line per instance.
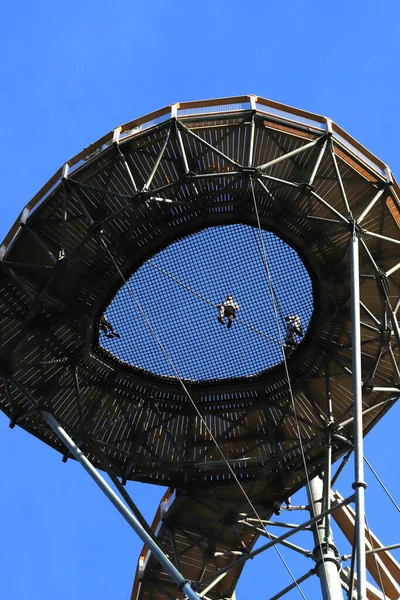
[382, 567]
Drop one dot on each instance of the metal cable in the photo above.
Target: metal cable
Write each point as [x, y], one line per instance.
[375, 557]
[383, 486]
[154, 334]
[286, 366]
[189, 289]
[272, 287]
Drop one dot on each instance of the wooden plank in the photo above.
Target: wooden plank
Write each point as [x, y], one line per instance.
[383, 567]
[394, 210]
[291, 109]
[362, 149]
[291, 130]
[352, 163]
[214, 102]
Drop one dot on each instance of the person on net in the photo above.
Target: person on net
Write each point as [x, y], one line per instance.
[293, 330]
[228, 309]
[107, 328]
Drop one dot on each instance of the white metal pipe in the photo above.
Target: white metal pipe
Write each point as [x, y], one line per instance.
[327, 563]
[251, 147]
[317, 163]
[120, 506]
[341, 424]
[359, 484]
[381, 237]
[371, 204]
[392, 270]
[288, 155]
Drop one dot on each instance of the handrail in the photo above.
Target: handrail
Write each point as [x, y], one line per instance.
[136, 126]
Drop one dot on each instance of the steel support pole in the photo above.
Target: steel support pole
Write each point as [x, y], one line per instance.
[359, 484]
[120, 506]
[326, 555]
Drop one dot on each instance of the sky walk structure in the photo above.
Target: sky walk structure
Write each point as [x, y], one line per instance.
[152, 226]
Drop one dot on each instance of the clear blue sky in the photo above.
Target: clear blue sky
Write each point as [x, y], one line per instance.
[70, 72]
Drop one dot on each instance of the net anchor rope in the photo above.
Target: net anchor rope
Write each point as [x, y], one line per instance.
[272, 290]
[268, 274]
[382, 484]
[375, 559]
[189, 289]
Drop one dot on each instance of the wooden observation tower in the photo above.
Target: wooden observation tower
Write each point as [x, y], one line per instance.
[112, 353]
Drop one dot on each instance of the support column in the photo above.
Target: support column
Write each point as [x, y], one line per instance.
[359, 484]
[120, 506]
[326, 555]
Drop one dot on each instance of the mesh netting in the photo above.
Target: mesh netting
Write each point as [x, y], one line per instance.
[179, 289]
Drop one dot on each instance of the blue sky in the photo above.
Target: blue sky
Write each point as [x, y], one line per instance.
[70, 73]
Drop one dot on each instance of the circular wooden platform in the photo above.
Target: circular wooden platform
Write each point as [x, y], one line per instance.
[151, 182]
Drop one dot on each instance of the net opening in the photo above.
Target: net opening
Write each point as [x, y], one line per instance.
[180, 290]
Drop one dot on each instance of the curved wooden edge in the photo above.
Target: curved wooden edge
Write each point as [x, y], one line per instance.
[172, 111]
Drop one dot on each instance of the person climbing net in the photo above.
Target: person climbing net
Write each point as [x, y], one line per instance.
[228, 309]
[107, 328]
[293, 330]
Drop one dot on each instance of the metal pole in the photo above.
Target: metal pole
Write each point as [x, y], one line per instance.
[120, 506]
[328, 460]
[359, 484]
[326, 555]
[293, 585]
[277, 540]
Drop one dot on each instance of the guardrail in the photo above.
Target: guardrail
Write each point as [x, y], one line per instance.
[183, 110]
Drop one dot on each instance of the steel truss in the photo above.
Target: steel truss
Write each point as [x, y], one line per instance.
[132, 195]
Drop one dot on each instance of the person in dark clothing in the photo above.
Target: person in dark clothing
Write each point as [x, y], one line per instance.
[107, 328]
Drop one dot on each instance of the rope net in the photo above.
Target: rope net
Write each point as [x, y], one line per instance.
[180, 289]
